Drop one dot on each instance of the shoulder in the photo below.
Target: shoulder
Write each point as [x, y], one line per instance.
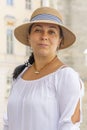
[68, 69]
[67, 78]
[67, 72]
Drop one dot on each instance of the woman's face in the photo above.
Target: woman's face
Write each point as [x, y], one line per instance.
[44, 39]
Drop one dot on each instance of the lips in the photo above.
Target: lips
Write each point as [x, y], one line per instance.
[43, 45]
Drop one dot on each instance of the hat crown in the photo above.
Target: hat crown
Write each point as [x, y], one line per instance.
[46, 10]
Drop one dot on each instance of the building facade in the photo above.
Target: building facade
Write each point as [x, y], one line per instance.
[14, 13]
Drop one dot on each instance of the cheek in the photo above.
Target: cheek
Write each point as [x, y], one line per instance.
[55, 42]
[32, 40]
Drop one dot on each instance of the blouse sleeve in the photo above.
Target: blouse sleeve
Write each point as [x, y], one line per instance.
[5, 119]
[5, 116]
[68, 97]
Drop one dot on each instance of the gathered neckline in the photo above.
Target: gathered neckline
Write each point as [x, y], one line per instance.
[43, 77]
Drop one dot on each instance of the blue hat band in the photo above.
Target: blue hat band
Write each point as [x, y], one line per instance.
[46, 17]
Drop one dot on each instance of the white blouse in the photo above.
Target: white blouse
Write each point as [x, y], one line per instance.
[46, 103]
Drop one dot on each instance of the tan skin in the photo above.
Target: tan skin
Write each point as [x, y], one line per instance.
[44, 40]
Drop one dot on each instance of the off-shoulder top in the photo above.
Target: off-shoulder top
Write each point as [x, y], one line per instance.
[46, 103]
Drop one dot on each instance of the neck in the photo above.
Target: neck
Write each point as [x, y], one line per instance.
[41, 63]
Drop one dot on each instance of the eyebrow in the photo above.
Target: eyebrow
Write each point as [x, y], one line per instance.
[37, 25]
[55, 27]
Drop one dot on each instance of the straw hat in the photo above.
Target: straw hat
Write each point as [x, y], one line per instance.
[45, 15]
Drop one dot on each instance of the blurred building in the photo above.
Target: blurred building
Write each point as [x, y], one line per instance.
[14, 13]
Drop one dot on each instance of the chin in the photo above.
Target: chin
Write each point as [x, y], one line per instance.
[43, 54]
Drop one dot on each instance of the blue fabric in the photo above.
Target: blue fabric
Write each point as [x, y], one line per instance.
[46, 17]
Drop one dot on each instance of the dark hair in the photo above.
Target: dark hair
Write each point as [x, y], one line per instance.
[20, 68]
[30, 61]
[61, 36]
[29, 30]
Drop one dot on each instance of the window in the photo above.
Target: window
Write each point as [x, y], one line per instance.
[45, 2]
[9, 82]
[9, 2]
[28, 4]
[10, 22]
[41, 2]
[9, 41]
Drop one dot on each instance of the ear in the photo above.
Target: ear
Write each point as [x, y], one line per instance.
[61, 42]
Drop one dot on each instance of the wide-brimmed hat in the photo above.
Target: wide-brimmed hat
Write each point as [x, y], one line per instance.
[45, 15]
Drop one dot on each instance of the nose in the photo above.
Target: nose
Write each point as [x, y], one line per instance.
[44, 36]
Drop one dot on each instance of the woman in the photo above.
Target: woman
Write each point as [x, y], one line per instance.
[46, 94]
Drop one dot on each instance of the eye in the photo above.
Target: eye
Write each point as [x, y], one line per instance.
[51, 32]
[37, 30]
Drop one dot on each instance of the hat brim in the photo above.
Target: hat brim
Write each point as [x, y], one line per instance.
[21, 33]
